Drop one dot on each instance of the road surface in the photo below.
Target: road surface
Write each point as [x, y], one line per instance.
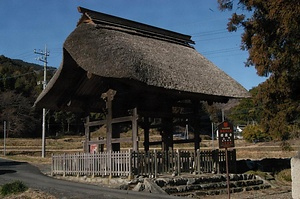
[33, 178]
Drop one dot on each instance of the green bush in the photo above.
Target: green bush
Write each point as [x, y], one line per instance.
[13, 187]
[254, 133]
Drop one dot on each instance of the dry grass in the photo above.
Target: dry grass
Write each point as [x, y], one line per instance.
[30, 149]
[246, 150]
[30, 193]
[284, 176]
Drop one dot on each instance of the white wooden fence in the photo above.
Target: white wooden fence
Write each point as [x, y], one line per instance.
[151, 163]
[98, 164]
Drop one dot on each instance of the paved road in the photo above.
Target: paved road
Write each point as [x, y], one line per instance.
[33, 178]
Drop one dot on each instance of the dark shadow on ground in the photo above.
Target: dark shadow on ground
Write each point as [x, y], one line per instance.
[7, 171]
[273, 165]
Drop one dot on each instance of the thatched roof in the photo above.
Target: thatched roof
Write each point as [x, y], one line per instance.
[105, 52]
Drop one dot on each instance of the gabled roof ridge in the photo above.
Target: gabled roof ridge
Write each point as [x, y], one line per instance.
[101, 18]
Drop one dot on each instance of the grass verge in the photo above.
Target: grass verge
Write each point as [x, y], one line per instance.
[13, 188]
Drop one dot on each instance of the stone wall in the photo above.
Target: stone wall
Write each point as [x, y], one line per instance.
[203, 185]
[295, 172]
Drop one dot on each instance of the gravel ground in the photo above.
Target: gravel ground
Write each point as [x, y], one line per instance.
[283, 192]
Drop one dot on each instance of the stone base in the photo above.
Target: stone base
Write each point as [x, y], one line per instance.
[295, 172]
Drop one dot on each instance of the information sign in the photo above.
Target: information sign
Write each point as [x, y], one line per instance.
[226, 135]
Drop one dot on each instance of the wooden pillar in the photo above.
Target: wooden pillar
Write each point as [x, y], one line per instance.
[146, 133]
[197, 140]
[135, 141]
[108, 97]
[196, 125]
[116, 131]
[87, 135]
[167, 134]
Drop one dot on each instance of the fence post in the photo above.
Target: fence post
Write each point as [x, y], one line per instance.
[52, 165]
[198, 161]
[130, 175]
[178, 162]
[93, 164]
[64, 165]
[155, 163]
[216, 160]
[77, 164]
[110, 164]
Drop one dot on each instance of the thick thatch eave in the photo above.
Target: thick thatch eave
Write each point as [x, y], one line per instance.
[106, 52]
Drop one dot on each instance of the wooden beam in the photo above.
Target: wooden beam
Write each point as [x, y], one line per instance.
[97, 123]
[113, 121]
[122, 119]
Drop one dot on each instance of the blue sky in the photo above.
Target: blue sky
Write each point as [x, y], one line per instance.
[32, 24]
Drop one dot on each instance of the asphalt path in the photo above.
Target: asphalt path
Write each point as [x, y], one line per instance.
[33, 178]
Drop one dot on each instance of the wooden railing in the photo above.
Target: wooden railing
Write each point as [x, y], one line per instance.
[151, 163]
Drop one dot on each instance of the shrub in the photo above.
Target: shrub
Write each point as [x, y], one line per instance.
[254, 133]
[285, 175]
[13, 187]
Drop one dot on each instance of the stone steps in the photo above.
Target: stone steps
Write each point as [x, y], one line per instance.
[210, 185]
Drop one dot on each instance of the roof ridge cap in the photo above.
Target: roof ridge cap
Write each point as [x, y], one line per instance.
[102, 18]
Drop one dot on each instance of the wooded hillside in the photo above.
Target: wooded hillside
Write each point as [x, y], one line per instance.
[20, 84]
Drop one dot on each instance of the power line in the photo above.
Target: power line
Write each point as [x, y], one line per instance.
[227, 55]
[208, 33]
[225, 50]
[214, 38]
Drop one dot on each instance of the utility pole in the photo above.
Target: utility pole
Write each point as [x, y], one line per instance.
[4, 138]
[223, 115]
[44, 54]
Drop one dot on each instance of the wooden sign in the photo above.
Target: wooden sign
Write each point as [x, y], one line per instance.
[226, 135]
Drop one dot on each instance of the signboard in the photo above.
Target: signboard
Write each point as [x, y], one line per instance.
[94, 148]
[226, 135]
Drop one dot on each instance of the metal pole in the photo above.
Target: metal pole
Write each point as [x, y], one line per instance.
[186, 129]
[44, 110]
[43, 133]
[212, 135]
[4, 140]
[227, 173]
[223, 116]
[44, 54]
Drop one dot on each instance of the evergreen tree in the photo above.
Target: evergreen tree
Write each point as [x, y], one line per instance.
[272, 37]
[248, 111]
